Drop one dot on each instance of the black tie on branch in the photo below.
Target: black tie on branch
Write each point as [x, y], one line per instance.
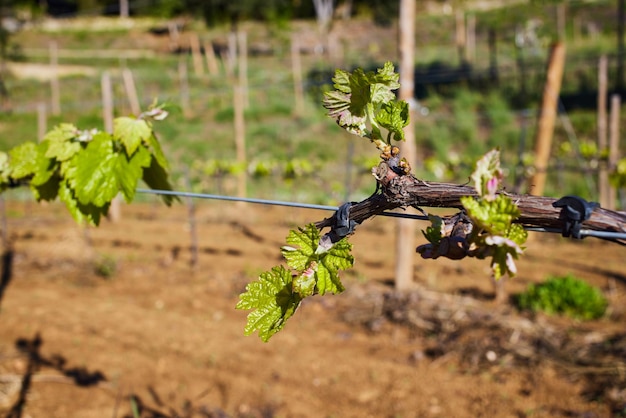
[575, 210]
[343, 225]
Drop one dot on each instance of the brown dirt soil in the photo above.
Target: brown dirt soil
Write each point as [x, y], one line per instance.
[166, 338]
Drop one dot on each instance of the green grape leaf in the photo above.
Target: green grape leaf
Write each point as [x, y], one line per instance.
[434, 233]
[487, 175]
[63, 132]
[130, 170]
[359, 98]
[61, 150]
[23, 160]
[504, 251]
[131, 132]
[5, 170]
[95, 179]
[383, 84]
[394, 116]
[338, 257]
[273, 301]
[47, 190]
[341, 81]
[89, 213]
[155, 176]
[360, 92]
[304, 284]
[338, 105]
[301, 247]
[493, 216]
[157, 152]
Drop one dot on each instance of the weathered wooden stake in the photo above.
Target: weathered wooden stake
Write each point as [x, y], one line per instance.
[240, 138]
[296, 69]
[115, 211]
[231, 59]
[547, 117]
[470, 39]
[460, 35]
[405, 237]
[603, 175]
[107, 101]
[193, 227]
[42, 121]
[211, 59]
[54, 80]
[183, 80]
[196, 54]
[614, 145]
[242, 47]
[131, 91]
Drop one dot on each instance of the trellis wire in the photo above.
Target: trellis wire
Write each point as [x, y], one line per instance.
[270, 202]
[584, 232]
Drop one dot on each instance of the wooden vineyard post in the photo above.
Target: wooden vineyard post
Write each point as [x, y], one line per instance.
[196, 54]
[107, 102]
[296, 69]
[242, 68]
[174, 36]
[603, 176]
[547, 117]
[131, 91]
[54, 80]
[193, 225]
[42, 121]
[405, 231]
[107, 115]
[211, 59]
[460, 35]
[621, 48]
[613, 146]
[470, 39]
[124, 9]
[183, 80]
[231, 59]
[240, 139]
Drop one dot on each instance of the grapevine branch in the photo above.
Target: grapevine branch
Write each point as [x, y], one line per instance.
[490, 223]
[401, 191]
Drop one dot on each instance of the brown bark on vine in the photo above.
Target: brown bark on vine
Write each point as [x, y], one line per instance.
[401, 191]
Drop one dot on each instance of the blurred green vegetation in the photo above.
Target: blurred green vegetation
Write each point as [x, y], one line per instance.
[566, 295]
[455, 124]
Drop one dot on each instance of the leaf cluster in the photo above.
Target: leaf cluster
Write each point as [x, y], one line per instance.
[364, 103]
[494, 233]
[86, 169]
[566, 295]
[277, 294]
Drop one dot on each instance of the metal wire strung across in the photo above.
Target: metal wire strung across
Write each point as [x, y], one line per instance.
[610, 235]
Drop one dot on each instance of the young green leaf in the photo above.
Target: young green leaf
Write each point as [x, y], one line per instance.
[301, 247]
[394, 116]
[363, 103]
[338, 257]
[273, 301]
[434, 232]
[23, 160]
[63, 132]
[487, 175]
[155, 176]
[495, 216]
[95, 179]
[131, 132]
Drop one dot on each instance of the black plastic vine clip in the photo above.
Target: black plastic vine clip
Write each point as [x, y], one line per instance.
[575, 210]
[343, 225]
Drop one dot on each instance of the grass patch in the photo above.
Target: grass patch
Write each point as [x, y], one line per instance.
[566, 295]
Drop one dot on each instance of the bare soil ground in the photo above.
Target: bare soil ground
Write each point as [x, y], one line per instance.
[164, 339]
